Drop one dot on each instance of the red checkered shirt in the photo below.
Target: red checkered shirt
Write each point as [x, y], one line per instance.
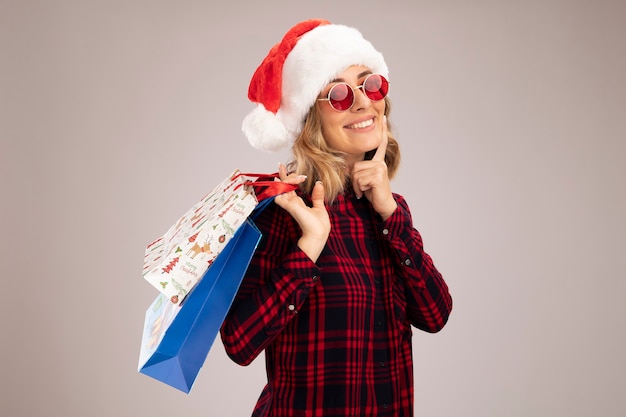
[337, 333]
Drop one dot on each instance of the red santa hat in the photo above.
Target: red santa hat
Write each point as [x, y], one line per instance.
[290, 78]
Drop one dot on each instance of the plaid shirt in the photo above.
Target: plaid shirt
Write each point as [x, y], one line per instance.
[337, 333]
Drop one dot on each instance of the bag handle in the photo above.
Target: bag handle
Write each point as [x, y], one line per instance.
[267, 189]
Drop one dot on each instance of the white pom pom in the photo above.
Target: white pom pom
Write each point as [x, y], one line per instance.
[264, 131]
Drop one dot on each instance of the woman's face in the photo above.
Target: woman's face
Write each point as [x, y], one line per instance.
[358, 129]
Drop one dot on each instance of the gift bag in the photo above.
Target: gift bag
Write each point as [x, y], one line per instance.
[174, 263]
[177, 337]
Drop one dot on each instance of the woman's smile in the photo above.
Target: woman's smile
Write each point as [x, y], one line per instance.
[361, 125]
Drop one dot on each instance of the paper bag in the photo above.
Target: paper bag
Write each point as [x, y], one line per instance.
[177, 339]
[174, 263]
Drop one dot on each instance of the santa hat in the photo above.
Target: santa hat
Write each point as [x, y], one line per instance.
[290, 78]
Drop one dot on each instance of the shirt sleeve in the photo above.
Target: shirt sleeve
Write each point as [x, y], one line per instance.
[427, 296]
[276, 284]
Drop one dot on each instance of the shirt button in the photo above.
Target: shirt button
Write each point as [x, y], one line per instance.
[385, 232]
[407, 262]
[315, 278]
[377, 281]
[382, 364]
[291, 307]
[379, 322]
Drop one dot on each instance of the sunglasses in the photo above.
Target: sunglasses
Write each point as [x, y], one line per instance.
[341, 95]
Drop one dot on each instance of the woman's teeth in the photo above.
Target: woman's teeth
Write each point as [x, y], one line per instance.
[361, 125]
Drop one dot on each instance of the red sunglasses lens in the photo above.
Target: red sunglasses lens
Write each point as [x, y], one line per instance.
[376, 87]
[341, 96]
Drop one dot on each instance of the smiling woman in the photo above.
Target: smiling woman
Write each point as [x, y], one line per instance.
[341, 274]
[353, 132]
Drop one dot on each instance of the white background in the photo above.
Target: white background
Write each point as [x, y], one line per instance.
[117, 116]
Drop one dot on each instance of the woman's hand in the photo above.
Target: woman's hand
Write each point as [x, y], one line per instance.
[370, 178]
[314, 221]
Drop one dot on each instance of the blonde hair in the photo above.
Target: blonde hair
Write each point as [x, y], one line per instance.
[314, 158]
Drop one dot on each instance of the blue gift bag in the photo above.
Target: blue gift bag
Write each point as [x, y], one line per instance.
[177, 339]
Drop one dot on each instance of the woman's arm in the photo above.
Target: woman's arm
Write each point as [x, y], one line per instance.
[428, 300]
[277, 283]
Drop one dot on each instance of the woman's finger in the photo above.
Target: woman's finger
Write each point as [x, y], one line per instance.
[382, 148]
[292, 178]
[282, 171]
[317, 195]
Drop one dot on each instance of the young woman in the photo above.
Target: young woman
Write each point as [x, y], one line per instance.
[340, 275]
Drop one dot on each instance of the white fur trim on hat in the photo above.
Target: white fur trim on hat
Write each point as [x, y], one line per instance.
[264, 131]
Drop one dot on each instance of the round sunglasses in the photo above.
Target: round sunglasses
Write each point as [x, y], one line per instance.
[341, 95]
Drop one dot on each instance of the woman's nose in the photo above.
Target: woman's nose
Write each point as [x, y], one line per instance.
[361, 101]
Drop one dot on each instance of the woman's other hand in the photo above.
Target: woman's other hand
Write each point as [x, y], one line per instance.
[370, 178]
